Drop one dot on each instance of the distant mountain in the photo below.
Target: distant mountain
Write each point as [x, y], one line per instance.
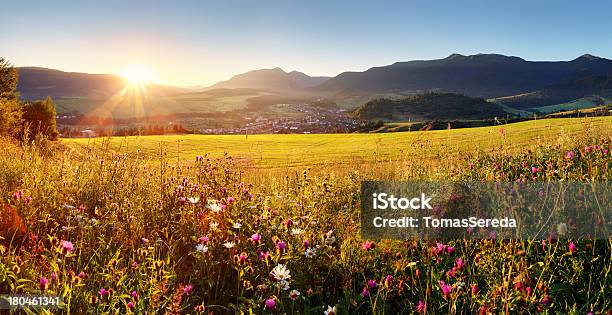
[274, 80]
[35, 83]
[429, 106]
[482, 75]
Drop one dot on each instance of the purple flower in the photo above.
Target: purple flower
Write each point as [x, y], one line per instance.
[459, 262]
[281, 245]
[546, 300]
[134, 295]
[365, 293]
[371, 284]
[421, 307]
[450, 249]
[270, 304]
[230, 200]
[569, 155]
[130, 305]
[103, 292]
[446, 289]
[188, 288]
[572, 247]
[67, 246]
[256, 238]
[367, 245]
[44, 283]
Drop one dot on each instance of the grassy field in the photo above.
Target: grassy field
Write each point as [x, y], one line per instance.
[150, 225]
[582, 103]
[282, 151]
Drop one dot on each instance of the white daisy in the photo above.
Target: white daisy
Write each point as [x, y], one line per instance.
[229, 244]
[294, 294]
[237, 225]
[201, 248]
[214, 226]
[296, 231]
[280, 272]
[310, 253]
[214, 206]
[194, 200]
[330, 310]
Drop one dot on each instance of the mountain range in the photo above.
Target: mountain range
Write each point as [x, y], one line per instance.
[520, 83]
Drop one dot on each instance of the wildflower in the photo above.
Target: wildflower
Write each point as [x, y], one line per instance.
[561, 229]
[229, 244]
[53, 276]
[130, 305]
[67, 247]
[330, 311]
[134, 295]
[243, 257]
[145, 240]
[367, 245]
[230, 200]
[214, 226]
[446, 289]
[365, 293]
[103, 292]
[194, 200]
[294, 294]
[182, 200]
[288, 223]
[572, 247]
[264, 255]
[371, 284]
[421, 307]
[529, 290]
[296, 231]
[450, 249]
[474, 289]
[569, 155]
[203, 239]
[237, 225]
[255, 238]
[280, 272]
[388, 280]
[44, 283]
[546, 300]
[214, 206]
[188, 289]
[270, 304]
[201, 248]
[459, 262]
[310, 253]
[281, 245]
[306, 244]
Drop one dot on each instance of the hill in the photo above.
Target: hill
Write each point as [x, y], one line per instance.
[429, 106]
[272, 80]
[36, 83]
[482, 75]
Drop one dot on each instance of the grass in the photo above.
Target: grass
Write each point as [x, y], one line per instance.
[293, 150]
[170, 224]
[581, 103]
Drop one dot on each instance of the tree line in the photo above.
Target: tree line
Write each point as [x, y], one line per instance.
[23, 120]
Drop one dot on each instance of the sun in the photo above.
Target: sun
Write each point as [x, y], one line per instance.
[138, 74]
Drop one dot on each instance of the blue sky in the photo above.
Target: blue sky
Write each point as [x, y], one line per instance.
[201, 42]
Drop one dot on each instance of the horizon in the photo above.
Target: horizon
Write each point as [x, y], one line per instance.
[204, 43]
[296, 70]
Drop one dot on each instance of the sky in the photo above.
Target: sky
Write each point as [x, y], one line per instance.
[188, 43]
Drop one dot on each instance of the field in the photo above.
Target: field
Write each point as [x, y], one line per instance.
[270, 223]
[582, 103]
[293, 150]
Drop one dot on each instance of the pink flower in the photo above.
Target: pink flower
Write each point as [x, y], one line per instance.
[203, 239]
[53, 276]
[446, 289]
[242, 258]
[388, 280]
[367, 245]
[44, 283]
[534, 169]
[529, 290]
[188, 289]
[474, 289]
[572, 247]
[306, 244]
[459, 262]
[264, 255]
[450, 249]
[130, 305]
[289, 222]
[103, 292]
[371, 283]
[134, 295]
[256, 238]
[67, 246]
[230, 200]
[421, 307]
[569, 155]
[365, 292]
[270, 304]
[546, 300]
[281, 245]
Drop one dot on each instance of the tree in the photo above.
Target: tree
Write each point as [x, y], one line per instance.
[10, 109]
[39, 117]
